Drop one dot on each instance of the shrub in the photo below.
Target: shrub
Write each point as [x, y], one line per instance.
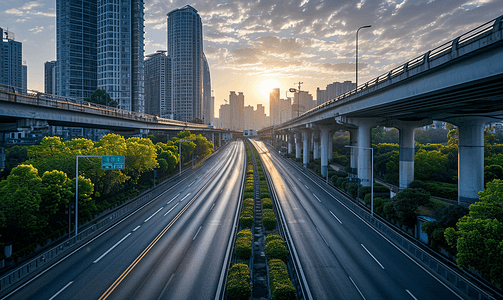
[248, 195]
[352, 189]
[341, 182]
[334, 179]
[246, 218]
[275, 249]
[442, 189]
[268, 219]
[243, 245]
[272, 237]
[248, 188]
[238, 282]
[281, 285]
[266, 203]
[265, 194]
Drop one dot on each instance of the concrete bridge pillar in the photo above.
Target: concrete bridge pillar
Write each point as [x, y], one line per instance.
[290, 142]
[331, 145]
[470, 158]
[353, 153]
[316, 144]
[305, 153]
[213, 139]
[324, 130]
[219, 139]
[364, 144]
[298, 143]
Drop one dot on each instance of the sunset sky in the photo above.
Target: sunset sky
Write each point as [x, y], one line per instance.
[254, 46]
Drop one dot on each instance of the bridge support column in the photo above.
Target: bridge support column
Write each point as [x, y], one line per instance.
[331, 145]
[298, 143]
[363, 149]
[316, 144]
[219, 139]
[290, 142]
[324, 136]
[213, 139]
[307, 137]
[470, 158]
[353, 153]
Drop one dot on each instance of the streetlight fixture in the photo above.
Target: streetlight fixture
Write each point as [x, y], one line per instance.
[366, 26]
[371, 176]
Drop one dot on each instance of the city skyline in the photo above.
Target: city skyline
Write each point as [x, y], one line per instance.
[249, 45]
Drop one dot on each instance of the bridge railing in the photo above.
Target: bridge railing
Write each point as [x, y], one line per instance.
[470, 41]
[33, 97]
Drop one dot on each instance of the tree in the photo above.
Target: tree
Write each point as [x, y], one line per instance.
[100, 96]
[428, 164]
[141, 157]
[406, 203]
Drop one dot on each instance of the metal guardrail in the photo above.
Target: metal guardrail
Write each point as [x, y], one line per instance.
[109, 218]
[32, 97]
[482, 36]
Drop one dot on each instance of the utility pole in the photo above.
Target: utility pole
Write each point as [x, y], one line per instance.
[298, 98]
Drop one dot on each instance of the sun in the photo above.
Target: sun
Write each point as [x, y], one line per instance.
[266, 86]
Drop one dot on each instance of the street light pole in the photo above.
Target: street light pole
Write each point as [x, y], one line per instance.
[366, 26]
[371, 176]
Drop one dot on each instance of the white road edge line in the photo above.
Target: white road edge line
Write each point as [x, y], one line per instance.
[153, 214]
[185, 197]
[317, 197]
[112, 248]
[191, 183]
[335, 216]
[411, 294]
[67, 285]
[372, 256]
[171, 209]
[136, 228]
[357, 288]
[173, 199]
[197, 233]
[322, 237]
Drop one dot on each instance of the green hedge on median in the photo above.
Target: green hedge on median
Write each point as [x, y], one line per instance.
[281, 285]
[243, 245]
[246, 218]
[276, 249]
[268, 219]
[266, 203]
[238, 282]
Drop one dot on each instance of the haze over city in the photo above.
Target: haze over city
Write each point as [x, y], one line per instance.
[253, 47]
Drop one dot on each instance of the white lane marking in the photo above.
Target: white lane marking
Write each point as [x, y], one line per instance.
[153, 214]
[356, 287]
[299, 179]
[192, 183]
[335, 217]
[322, 237]
[212, 206]
[136, 228]
[171, 208]
[221, 191]
[112, 248]
[411, 294]
[372, 256]
[306, 186]
[317, 197]
[67, 285]
[173, 198]
[185, 197]
[197, 233]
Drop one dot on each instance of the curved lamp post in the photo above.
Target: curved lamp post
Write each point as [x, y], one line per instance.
[366, 26]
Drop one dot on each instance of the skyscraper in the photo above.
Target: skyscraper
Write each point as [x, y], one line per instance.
[185, 48]
[11, 60]
[50, 77]
[76, 47]
[120, 52]
[157, 85]
[237, 104]
[207, 98]
[274, 106]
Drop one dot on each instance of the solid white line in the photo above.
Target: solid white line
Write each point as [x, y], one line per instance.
[317, 197]
[185, 197]
[372, 256]
[171, 208]
[116, 244]
[67, 285]
[335, 217]
[197, 233]
[173, 198]
[323, 237]
[357, 288]
[411, 295]
[153, 214]
[136, 228]
[192, 183]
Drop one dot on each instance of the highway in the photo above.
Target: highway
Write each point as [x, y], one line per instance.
[342, 257]
[175, 247]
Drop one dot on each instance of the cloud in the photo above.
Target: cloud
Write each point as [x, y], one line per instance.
[37, 29]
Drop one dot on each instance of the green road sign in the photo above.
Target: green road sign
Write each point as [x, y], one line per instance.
[112, 162]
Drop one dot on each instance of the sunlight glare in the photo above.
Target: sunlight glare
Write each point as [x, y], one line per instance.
[266, 86]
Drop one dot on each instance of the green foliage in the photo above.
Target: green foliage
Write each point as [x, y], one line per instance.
[276, 249]
[266, 203]
[406, 203]
[427, 164]
[239, 282]
[268, 219]
[442, 189]
[281, 285]
[271, 237]
[493, 172]
[352, 189]
[246, 218]
[243, 245]
[101, 97]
